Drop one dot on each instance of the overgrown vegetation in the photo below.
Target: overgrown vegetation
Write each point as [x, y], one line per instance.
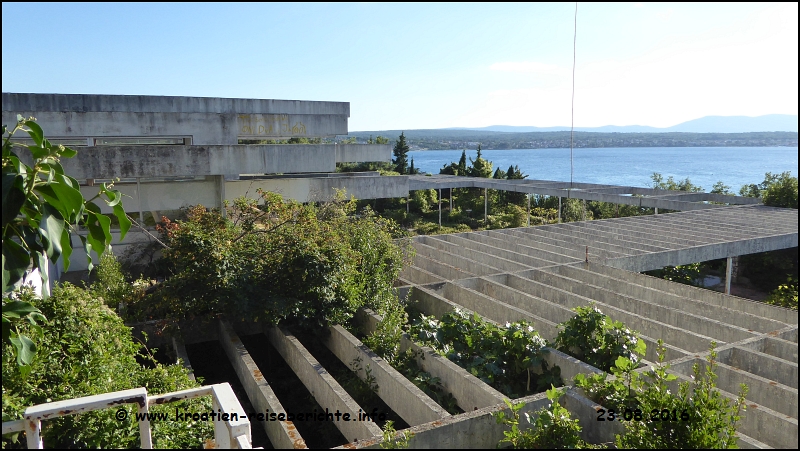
[500, 356]
[785, 295]
[41, 207]
[598, 340]
[663, 413]
[685, 274]
[87, 350]
[276, 260]
[394, 440]
[552, 427]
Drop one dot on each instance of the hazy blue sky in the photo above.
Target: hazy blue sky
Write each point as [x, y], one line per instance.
[405, 66]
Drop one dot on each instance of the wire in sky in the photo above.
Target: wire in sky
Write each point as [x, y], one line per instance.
[572, 127]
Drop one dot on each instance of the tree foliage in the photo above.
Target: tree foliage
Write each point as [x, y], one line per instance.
[41, 203]
[777, 190]
[274, 259]
[401, 155]
[672, 185]
[89, 351]
[41, 206]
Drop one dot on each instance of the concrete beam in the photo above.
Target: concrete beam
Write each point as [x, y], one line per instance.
[320, 384]
[402, 396]
[282, 434]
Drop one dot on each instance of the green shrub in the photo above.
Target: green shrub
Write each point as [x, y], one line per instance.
[277, 260]
[700, 416]
[552, 429]
[785, 295]
[597, 339]
[87, 350]
[685, 274]
[500, 356]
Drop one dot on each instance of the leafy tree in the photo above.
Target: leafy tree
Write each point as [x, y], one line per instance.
[514, 173]
[671, 184]
[41, 204]
[381, 140]
[785, 295]
[275, 260]
[721, 188]
[400, 155]
[479, 167]
[499, 174]
[778, 190]
[782, 191]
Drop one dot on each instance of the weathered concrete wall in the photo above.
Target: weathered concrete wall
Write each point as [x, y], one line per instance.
[84, 103]
[205, 120]
[172, 161]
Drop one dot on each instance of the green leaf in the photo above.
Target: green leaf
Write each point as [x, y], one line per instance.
[87, 247]
[40, 260]
[67, 152]
[51, 227]
[66, 247]
[67, 200]
[13, 196]
[124, 222]
[39, 152]
[15, 262]
[35, 131]
[26, 349]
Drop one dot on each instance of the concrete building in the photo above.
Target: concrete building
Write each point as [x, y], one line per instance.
[171, 152]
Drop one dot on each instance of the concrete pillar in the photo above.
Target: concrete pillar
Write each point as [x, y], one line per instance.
[440, 207]
[656, 210]
[529, 210]
[139, 200]
[728, 270]
[408, 200]
[220, 192]
[584, 209]
[451, 201]
[485, 206]
[559, 209]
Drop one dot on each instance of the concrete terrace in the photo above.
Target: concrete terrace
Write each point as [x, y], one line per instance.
[540, 273]
[176, 151]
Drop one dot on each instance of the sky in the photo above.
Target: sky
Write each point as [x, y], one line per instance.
[413, 66]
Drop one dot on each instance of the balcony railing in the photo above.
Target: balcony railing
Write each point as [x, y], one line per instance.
[231, 432]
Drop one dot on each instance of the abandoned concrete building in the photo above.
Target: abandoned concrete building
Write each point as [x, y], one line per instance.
[170, 152]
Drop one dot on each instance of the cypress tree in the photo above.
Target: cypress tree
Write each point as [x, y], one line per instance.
[400, 150]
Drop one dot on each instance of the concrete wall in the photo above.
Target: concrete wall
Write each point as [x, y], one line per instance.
[206, 120]
[172, 161]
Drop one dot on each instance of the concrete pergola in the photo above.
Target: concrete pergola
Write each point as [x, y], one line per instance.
[177, 151]
[540, 273]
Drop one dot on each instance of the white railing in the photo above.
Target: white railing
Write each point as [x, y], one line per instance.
[230, 431]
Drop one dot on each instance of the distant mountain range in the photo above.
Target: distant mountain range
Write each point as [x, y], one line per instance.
[707, 124]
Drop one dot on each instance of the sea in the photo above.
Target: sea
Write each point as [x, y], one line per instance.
[631, 166]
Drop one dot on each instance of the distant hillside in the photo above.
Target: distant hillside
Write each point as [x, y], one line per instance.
[469, 139]
[707, 124]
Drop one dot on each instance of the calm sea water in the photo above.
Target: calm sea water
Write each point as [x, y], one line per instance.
[632, 166]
